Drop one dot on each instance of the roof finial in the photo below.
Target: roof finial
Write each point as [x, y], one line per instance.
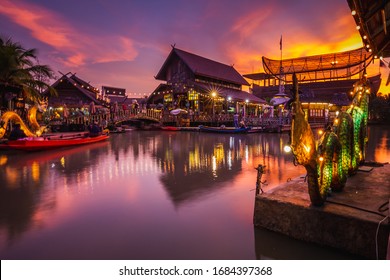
[173, 46]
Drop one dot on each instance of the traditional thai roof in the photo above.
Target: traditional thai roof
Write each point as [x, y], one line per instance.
[319, 67]
[334, 86]
[372, 17]
[79, 84]
[258, 76]
[236, 95]
[107, 90]
[243, 96]
[202, 66]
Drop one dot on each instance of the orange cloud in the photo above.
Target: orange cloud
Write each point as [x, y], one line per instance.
[258, 34]
[249, 24]
[78, 48]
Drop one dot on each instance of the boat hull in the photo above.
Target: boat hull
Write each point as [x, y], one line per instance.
[170, 128]
[223, 130]
[39, 145]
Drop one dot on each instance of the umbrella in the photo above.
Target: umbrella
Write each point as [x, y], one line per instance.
[159, 106]
[176, 112]
[280, 98]
[92, 108]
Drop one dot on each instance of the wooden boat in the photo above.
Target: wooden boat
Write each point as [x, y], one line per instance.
[170, 128]
[40, 143]
[203, 128]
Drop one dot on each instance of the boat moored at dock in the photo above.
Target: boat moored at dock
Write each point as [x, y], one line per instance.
[223, 129]
[41, 143]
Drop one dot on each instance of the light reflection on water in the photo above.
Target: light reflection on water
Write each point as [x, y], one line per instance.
[150, 195]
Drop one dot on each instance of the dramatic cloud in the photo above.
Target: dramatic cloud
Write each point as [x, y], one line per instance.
[74, 47]
[124, 43]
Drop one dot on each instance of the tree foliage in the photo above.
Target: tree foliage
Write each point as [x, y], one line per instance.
[20, 70]
[379, 108]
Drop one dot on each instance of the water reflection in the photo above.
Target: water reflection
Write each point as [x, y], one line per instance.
[28, 180]
[120, 191]
[379, 144]
[192, 164]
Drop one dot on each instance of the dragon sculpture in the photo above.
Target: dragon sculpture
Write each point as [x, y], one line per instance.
[31, 130]
[338, 152]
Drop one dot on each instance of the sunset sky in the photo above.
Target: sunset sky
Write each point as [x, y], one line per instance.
[124, 43]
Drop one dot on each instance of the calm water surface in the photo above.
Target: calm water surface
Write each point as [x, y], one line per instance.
[151, 195]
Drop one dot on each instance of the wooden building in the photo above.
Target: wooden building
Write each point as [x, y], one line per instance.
[75, 93]
[119, 96]
[325, 81]
[76, 102]
[372, 21]
[202, 85]
[325, 73]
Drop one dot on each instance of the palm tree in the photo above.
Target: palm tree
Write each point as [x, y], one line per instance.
[20, 71]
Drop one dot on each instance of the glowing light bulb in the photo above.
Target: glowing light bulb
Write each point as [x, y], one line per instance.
[321, 158]
[287, 149]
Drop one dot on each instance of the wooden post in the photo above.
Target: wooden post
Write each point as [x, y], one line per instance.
[260, 171]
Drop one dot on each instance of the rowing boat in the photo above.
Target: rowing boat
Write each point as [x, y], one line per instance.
[40, 143]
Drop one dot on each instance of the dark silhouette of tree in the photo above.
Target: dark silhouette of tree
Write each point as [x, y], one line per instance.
[20, 71]
[379, 108]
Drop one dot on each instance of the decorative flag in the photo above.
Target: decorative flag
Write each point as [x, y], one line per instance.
[280, 43]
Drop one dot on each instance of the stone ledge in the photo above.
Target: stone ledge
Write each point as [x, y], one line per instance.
[348, 220]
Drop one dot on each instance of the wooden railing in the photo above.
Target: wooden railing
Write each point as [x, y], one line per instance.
[274, 123]
[110, 117]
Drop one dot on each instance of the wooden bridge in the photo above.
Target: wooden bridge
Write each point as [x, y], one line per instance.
[79, 122]
[275, 124]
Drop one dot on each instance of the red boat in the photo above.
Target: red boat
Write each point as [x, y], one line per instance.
[170, 128]
[38, 144]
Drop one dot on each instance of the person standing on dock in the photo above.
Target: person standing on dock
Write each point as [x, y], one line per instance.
[235, 119]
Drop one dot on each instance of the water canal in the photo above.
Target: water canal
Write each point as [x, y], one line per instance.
[151, 195]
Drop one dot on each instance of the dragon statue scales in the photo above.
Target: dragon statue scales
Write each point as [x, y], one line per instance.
[34, 129]
[339, 151]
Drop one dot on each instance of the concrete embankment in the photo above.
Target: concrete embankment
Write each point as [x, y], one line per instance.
[353, 220]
